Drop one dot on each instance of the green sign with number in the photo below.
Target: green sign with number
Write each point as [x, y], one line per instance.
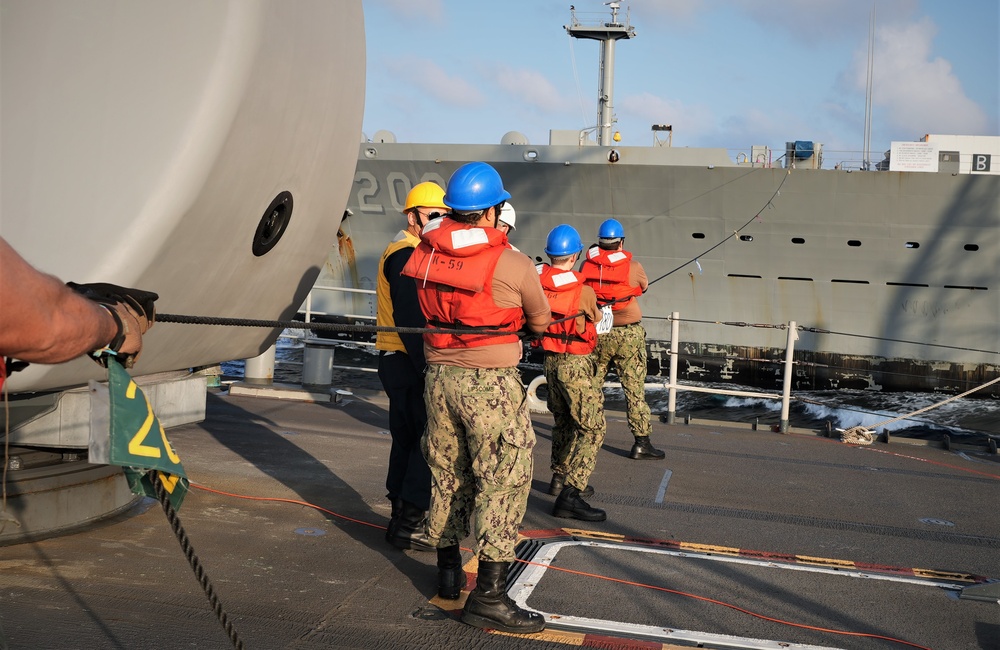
[138, 442]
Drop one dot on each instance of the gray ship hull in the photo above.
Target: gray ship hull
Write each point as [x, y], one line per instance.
[892, 275]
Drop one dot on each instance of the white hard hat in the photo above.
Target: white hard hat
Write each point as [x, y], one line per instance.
[507, 215]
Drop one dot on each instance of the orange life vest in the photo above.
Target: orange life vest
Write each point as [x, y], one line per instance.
[454, 266]
[608, 272]
[563, 289]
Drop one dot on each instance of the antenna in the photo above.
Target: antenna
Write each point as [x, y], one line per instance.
[607, 33]
[867, 153]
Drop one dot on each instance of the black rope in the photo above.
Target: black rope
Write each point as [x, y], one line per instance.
[732, 234]
[706, 252]
[164, 498]
[819, 330]
[332, 327]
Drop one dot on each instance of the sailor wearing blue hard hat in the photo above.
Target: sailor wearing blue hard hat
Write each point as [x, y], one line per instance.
[474, 187]
[618, 281]
[575, 400]
[479, 438]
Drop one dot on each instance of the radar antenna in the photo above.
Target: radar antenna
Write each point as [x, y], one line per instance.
[607, 33]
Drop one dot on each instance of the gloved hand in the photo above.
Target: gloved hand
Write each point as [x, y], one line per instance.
[133, 310]
[534, 339]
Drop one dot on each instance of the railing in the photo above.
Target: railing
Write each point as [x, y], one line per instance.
[672, 386]
[310, 312]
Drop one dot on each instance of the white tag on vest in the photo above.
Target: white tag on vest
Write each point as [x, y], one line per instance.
[607, 320]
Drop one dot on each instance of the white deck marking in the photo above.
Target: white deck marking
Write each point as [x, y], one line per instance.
[533, 573]
[663, 486]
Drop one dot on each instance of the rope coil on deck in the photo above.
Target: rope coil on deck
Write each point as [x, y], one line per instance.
[861, 435]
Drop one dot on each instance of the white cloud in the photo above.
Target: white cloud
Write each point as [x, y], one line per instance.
[431, 81]
[676, 10]
[914, 93]
[697, 121]
[529, 88]
[423, 9]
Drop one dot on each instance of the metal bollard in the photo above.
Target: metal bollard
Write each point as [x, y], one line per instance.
[260, 369]
[317, 363]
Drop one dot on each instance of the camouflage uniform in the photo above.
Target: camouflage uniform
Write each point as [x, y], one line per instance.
[625, 347]
[477, 425]
[577, 406]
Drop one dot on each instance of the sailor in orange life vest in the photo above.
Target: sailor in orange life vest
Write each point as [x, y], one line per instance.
[618, 280]
[575, 399]
[505, 224]
[401, 368]
[479, 439]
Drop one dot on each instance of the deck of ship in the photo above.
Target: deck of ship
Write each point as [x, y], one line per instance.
[873, 541]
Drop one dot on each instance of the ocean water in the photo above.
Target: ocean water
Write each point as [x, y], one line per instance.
[968, 418]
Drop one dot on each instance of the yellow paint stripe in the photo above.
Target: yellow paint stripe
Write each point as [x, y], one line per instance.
[824, 561]
[709, 548]
[943, 575]
[593, 534]
[555, 636]
[450, 605]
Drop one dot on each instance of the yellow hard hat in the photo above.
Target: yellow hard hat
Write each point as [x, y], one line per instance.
[426, 195]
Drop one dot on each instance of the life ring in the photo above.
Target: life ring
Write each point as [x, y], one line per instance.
[536, 405]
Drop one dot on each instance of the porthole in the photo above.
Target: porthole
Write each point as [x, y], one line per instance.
[853, 242]
[912, 244]
[272, 224]
[746, 237]
[698, 235]
[798, 240]
[972, 247]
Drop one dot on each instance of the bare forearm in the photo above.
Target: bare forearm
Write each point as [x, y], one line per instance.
[41, 319]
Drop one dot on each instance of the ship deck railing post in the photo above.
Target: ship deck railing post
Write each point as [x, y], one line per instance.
[675, 329]
[786, 384]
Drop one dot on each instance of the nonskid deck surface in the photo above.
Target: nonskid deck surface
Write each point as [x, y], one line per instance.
[730, 515]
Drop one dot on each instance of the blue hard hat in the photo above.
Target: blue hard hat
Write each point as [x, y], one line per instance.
[563, 241]
[611, 229]
[475, 186]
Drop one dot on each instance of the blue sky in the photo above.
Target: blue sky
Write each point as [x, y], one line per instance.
[724, 73]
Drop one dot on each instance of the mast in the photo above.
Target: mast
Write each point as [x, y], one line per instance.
[869, 97]
[607, 33]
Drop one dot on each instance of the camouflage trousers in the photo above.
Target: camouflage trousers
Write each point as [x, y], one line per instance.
[577, 407]
[478, 445]
[625, 347]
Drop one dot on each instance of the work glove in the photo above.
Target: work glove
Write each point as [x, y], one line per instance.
[133, 311]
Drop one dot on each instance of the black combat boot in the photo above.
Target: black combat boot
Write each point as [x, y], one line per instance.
[409, 531]
[644, 450]
[570, 505]
[451, 575]
[559, 482]
[390, 530]
[489, 606]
